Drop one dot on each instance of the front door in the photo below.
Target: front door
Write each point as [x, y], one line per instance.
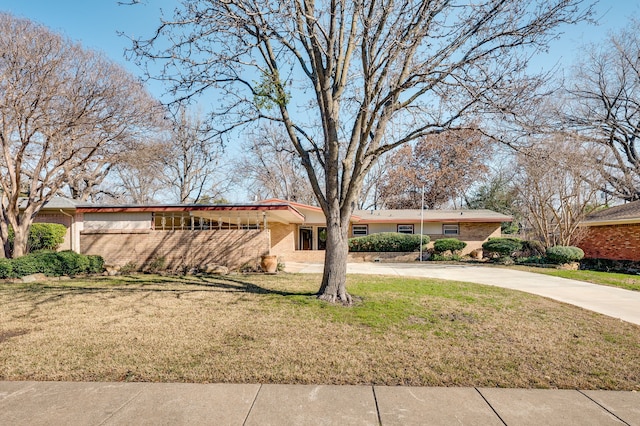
[306, 238]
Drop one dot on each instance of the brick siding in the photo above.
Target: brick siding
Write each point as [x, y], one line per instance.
[615, 242]
[231, 248]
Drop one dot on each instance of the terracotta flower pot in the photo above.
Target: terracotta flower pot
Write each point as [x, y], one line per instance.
[269, 263]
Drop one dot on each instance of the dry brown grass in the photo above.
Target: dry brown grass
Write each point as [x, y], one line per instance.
[269, 329]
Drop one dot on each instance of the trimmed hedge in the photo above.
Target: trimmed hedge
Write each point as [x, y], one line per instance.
[564, 254]
[387, 242]
[52, 264]
[503, 246]
[448, 244]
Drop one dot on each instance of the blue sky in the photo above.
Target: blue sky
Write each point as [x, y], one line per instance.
[95, 23]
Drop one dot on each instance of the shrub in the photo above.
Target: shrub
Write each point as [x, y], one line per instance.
[73, 263]
[502, 247]
[46, 236]
[159, 263]
[387, 242]
[564, 254]
[128, 268]
[441, 257]
[42, 236]
[539, 260]
[50, 263]
[532, 248]
[6, 268]
[47, 262]
[96, 264]
[448, 244]
[26, 265]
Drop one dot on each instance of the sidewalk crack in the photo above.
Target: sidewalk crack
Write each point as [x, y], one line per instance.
[252, 405]
[375, 399]
[603, 407]
[117, 410]
[491, 406]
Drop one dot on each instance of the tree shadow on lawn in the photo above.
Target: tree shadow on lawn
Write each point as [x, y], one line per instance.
[142, 283]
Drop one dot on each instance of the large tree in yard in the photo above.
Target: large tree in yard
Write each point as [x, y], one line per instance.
[351, 80]
[63, 110]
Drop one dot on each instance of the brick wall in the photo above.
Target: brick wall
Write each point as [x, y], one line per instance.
[615, 242]
[283, 238]
[231, 248]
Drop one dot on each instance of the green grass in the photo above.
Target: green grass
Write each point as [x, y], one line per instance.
[271, 329]
[626, 281]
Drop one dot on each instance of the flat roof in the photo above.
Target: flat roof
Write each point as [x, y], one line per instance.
[416, 215]
[278, 212]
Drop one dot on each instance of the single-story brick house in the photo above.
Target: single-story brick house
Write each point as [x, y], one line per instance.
[613, 233]
[235, 234]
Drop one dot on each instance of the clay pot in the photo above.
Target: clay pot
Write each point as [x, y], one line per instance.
[269, 263]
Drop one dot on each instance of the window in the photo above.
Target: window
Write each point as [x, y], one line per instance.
[405, 229]
[359, 230]
[450, 229]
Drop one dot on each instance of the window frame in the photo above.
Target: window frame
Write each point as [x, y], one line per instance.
[452, 227]
[359, 233]
[407, 226]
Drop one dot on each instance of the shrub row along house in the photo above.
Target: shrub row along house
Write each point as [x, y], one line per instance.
[237, 234]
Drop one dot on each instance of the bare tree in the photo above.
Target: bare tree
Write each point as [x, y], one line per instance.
[443, 165]
[371, 195]
[557, 187]
[137, 173]
[192, 158]
[61, 107]
[271, 169]
[605, 99]
[336, 74]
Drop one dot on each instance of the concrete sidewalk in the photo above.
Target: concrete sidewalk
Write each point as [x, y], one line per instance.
[611, 301]
[65, 403]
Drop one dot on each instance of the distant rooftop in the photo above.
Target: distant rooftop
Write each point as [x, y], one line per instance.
[625, 213]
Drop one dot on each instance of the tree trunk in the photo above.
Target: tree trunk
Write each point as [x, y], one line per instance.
[21, 236]
[5, 251]
[334, 279]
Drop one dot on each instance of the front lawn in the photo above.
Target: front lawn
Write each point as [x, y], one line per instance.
[270, 329]
[614, 279]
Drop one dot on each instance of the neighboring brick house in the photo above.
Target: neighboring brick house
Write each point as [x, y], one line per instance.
[235, 234]
[613, 233]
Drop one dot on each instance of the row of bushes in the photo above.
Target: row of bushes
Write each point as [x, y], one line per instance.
[387, 242]
[397, 242]
[533, 251]
[52, 264]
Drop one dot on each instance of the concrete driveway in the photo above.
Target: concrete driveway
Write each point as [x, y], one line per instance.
[611, 301]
